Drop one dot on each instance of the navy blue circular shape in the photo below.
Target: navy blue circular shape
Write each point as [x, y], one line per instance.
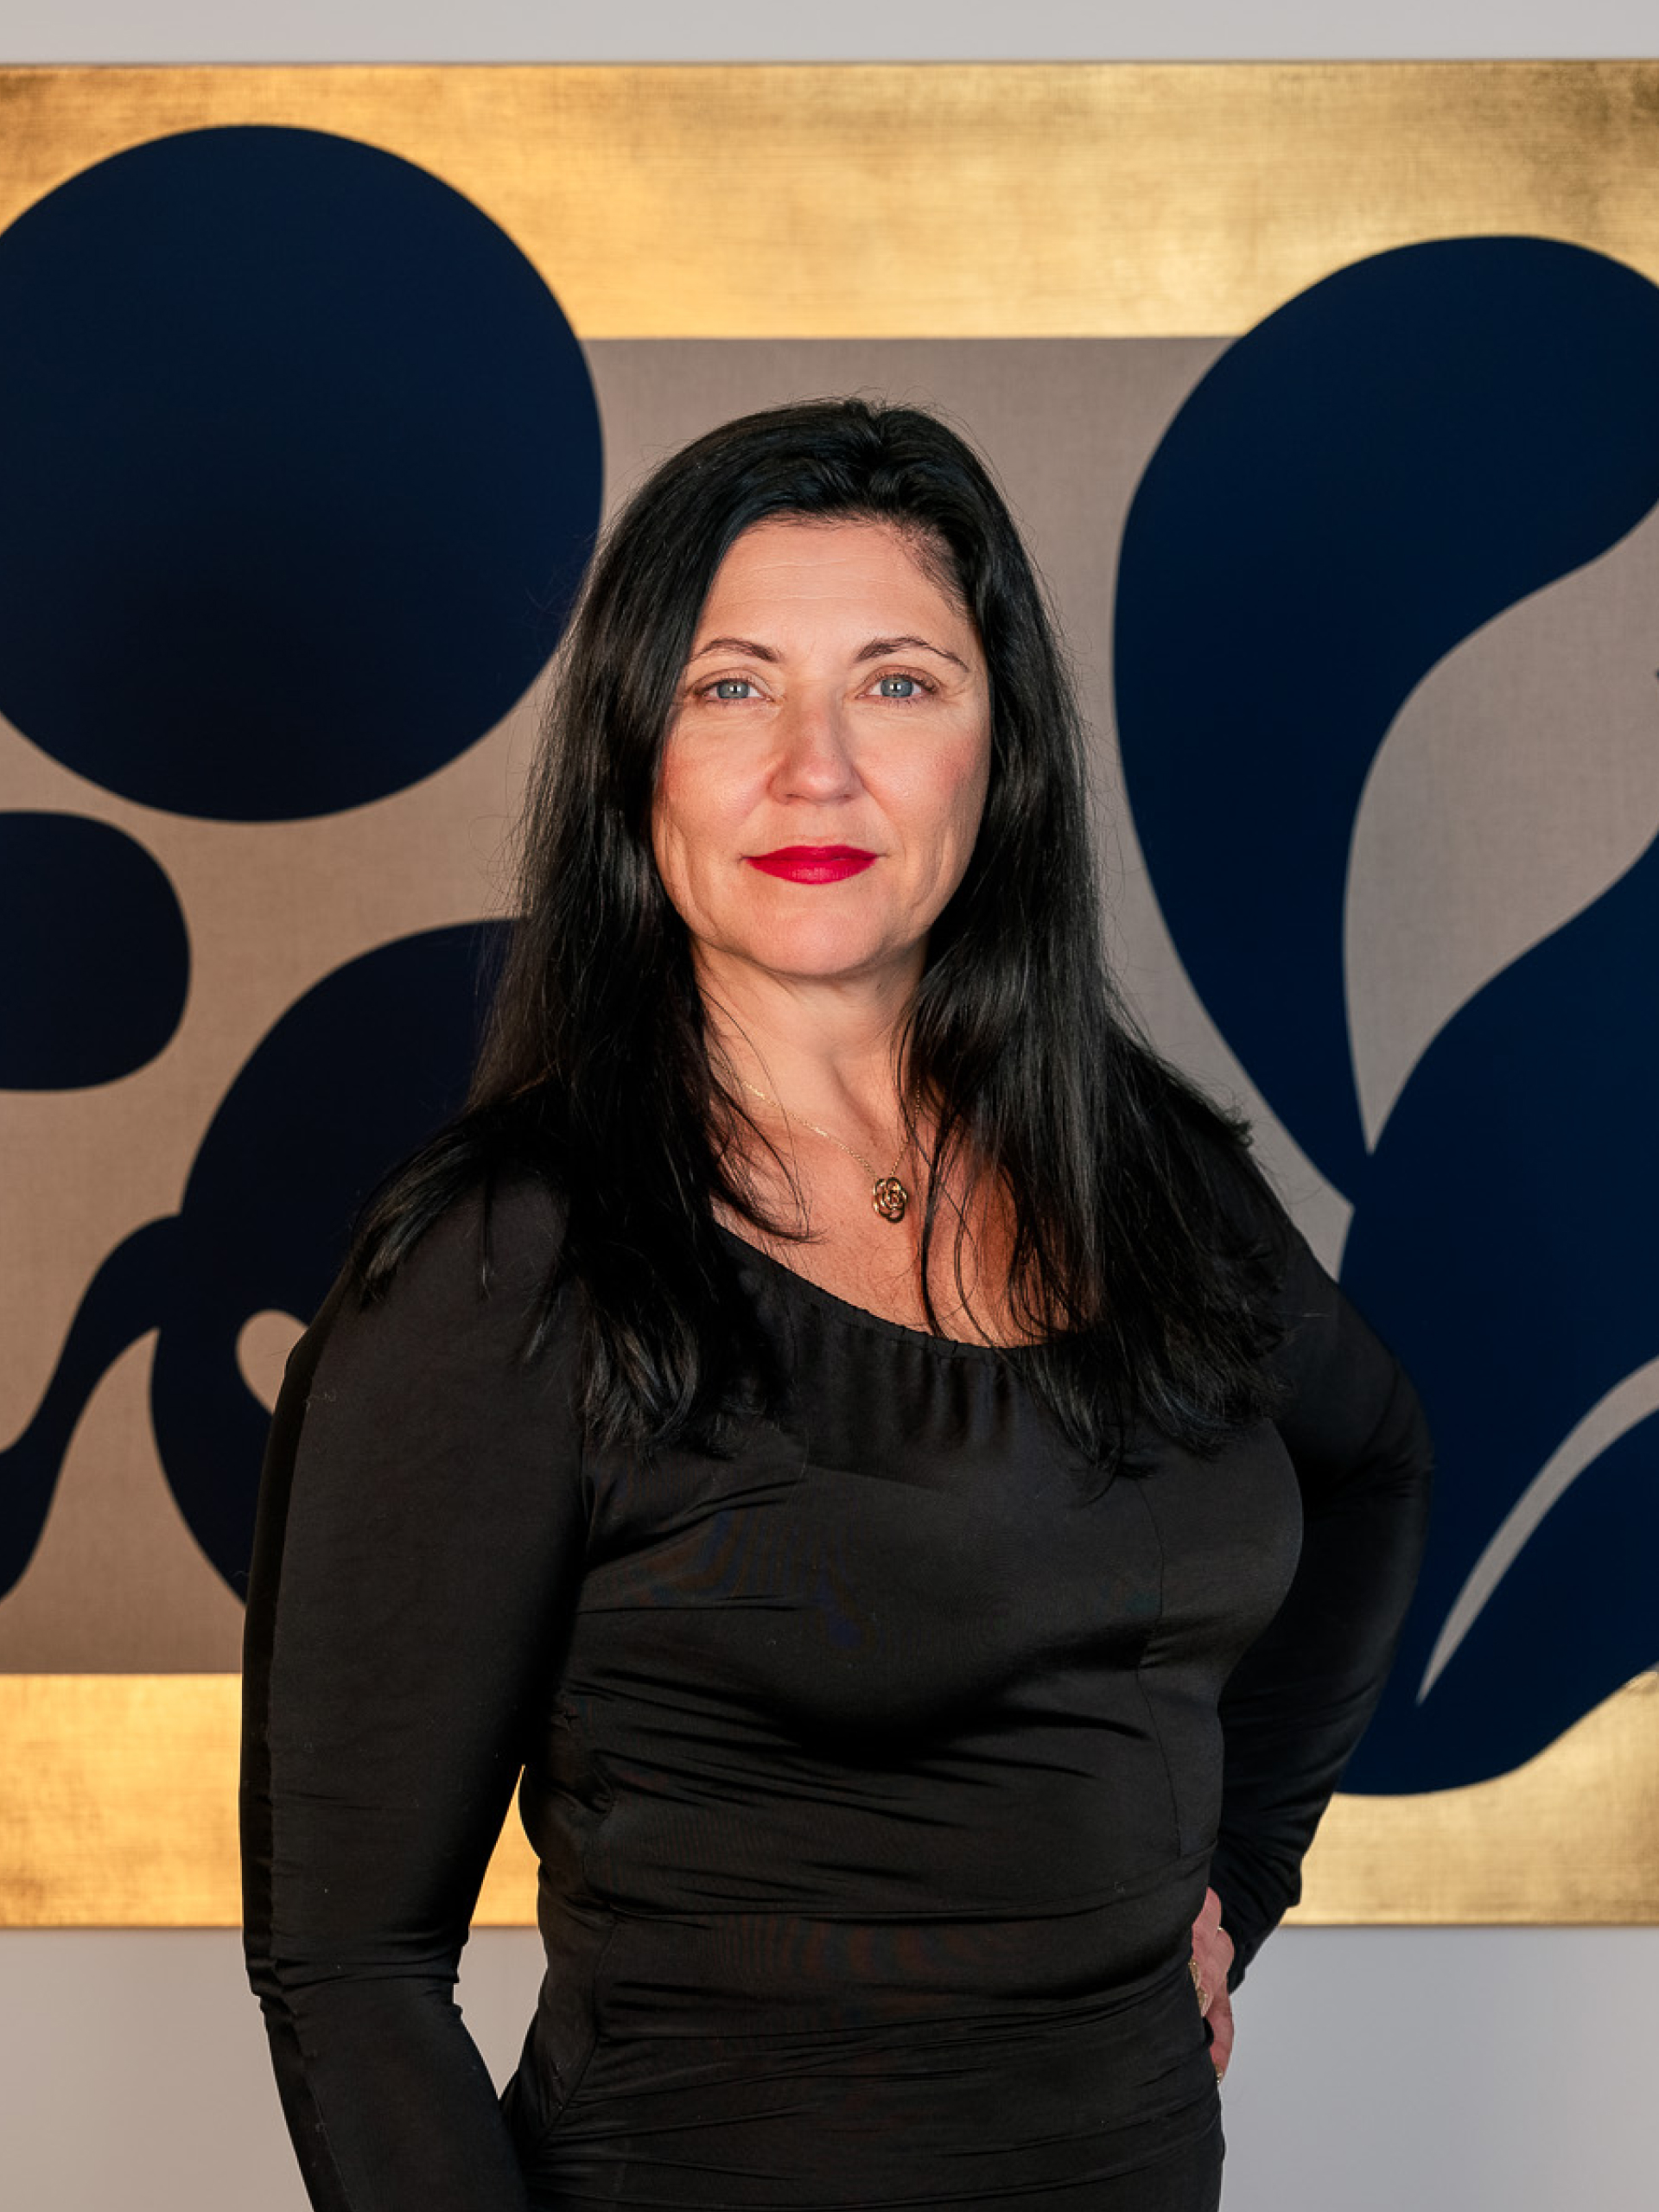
[94, 960]
[303, 466]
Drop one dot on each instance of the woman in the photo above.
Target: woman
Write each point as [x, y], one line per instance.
[839, 1413]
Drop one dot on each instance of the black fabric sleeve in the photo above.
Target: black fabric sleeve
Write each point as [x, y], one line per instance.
[420, 1534]
[1296, 1703]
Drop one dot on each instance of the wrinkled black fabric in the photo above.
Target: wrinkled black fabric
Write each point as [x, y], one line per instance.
[875, 1770]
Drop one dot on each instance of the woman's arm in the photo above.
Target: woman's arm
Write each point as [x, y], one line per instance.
[1297, 1702]
[420, 1536]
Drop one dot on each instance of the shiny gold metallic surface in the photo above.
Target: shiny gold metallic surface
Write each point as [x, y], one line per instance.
[120, 1801]
[1570, 1836]
[120, 1806]
[120, 1812]
[941, 200]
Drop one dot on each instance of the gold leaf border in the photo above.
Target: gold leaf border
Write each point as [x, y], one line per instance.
[941, 200]
[121, 1812]
[121, 1805]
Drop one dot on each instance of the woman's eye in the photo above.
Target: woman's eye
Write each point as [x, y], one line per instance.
[731, 687]
[899, 687]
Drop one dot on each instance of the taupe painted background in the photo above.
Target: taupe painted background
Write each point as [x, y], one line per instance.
[1518, 781]
[271, 908]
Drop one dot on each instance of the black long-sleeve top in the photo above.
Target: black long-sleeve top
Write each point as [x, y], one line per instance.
[886, 1737]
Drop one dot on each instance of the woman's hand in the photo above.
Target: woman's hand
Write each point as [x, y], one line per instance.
[1212, 1955]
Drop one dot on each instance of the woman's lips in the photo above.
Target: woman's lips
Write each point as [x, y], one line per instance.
[812, 863]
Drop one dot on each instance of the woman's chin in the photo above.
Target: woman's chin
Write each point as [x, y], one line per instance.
[821, 953]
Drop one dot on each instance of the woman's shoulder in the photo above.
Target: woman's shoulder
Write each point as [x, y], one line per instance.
[500, 1237]
[444, 1394]
[461, 1329]
[476, 1267]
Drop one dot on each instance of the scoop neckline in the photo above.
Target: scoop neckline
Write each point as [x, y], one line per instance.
[861, 1316]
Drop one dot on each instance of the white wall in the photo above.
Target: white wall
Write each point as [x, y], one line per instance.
[766, 30]
[1449, 2070]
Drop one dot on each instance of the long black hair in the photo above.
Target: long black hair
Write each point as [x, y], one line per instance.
[596, 1077]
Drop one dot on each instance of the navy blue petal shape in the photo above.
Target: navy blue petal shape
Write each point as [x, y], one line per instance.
[302, 464]
[94, 961]
[351, 1080]
[1358, 485]
[126, 1297]
[1504, 1245]
[1572, 1621]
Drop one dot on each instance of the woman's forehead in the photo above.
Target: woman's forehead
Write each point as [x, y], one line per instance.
[809, 560]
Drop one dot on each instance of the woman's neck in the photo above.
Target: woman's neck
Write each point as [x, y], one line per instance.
[824, 1050]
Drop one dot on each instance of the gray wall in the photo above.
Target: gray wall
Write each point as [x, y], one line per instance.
[864, 31]
[1443, 2070]
[1446, 2070]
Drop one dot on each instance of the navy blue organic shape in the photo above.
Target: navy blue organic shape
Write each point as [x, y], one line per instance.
[350, 1080]
[301, 463]
[94, 961]
[1358, 485]
[1505, 1245]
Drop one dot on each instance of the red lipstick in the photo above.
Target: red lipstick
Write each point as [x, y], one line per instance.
[812, 863]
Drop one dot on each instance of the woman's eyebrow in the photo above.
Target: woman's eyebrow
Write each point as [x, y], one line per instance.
[734, 646]
[879, 648]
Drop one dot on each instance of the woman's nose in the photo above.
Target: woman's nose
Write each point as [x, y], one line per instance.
[815, 757]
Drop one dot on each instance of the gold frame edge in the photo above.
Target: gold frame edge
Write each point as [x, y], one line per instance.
[122, 1813]
[933, 199]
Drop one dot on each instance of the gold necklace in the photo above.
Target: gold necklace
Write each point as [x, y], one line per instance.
[888, 1195]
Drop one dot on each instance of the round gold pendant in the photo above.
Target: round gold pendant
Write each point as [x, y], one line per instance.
[890, 1198]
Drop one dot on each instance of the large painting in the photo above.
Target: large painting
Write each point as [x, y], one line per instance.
[1325, 396]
